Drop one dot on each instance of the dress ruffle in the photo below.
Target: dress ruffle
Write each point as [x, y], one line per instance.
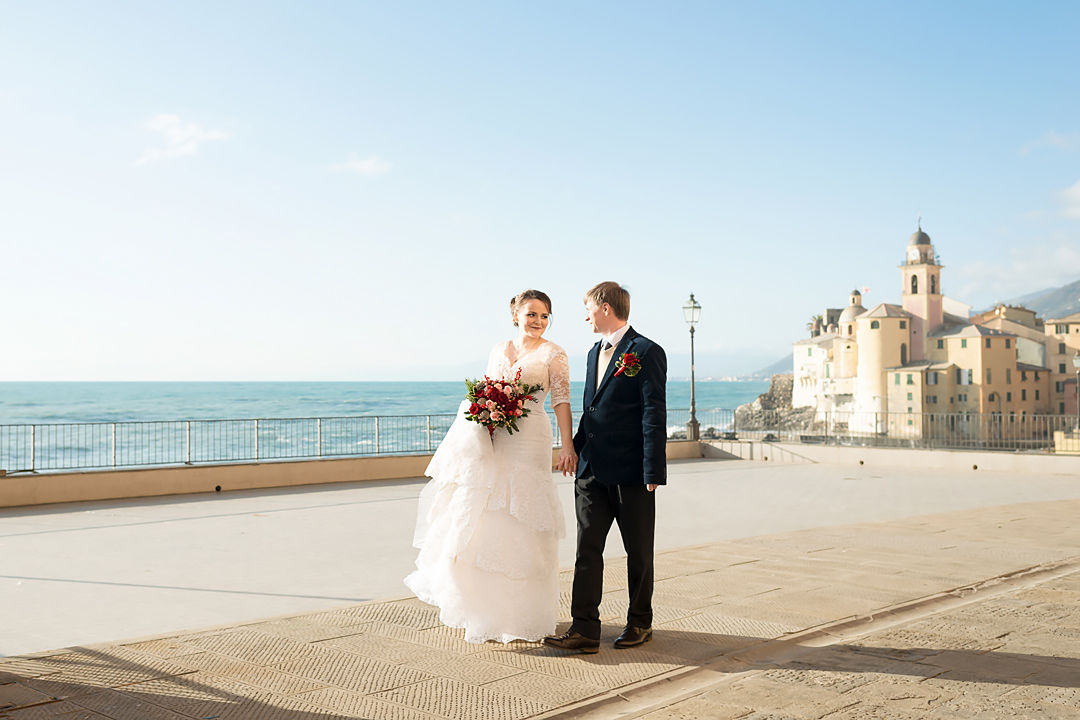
[488, 526]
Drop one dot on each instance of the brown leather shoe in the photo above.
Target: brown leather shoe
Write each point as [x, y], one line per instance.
[571, 640]
[633, 636]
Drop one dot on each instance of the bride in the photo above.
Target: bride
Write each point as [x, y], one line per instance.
[489, 521]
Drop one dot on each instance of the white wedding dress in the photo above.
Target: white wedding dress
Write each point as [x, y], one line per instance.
[489, 521]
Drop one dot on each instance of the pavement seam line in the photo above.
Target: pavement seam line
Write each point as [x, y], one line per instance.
[649, 695]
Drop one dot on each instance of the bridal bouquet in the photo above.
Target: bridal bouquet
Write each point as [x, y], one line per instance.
[499, 403]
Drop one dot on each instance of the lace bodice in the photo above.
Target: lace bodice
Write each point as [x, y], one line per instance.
[547, 365]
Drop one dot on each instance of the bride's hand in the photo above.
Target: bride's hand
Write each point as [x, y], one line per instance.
[567, 461]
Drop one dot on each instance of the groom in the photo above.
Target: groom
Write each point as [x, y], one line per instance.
[622, 458]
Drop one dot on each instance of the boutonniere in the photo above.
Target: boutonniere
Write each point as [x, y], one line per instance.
[629, 364]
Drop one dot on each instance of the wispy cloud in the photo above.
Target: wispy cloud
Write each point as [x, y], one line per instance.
[371, 165]
[1070, 201]
[1027, 268]
[1068, 142]
[181, 138]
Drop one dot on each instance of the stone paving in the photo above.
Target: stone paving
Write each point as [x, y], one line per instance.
[727, 612]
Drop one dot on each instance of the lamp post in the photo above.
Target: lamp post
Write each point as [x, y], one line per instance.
[1076, 365]
[692, 312]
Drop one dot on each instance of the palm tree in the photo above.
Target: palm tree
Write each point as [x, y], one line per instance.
[814, 326]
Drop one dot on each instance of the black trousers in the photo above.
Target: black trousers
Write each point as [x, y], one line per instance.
[634, 509]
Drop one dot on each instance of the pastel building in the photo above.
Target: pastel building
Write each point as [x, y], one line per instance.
[927, 360]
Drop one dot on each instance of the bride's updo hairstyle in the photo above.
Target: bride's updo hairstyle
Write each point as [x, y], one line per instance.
[522, 297]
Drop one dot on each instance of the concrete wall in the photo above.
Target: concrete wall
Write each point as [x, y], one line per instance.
[43, 488]
[896, 457]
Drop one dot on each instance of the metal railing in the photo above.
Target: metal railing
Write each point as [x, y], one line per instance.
[977, 431]
[91, 446]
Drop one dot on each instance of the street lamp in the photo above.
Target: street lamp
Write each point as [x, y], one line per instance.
[692, 313]
[1076, 365]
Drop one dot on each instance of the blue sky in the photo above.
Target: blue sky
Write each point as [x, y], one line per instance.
[354, 190]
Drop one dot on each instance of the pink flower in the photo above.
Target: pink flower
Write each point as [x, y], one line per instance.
[496, 416]
[490, 404]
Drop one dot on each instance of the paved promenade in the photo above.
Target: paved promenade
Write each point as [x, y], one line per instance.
[199, 561]
[970, 613]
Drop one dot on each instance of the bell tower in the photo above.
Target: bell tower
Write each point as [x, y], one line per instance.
[921, 291]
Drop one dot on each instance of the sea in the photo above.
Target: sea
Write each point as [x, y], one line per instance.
[93, 402]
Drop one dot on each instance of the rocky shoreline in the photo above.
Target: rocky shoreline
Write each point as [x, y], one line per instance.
[772, 409]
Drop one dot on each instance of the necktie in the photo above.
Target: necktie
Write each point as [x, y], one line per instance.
[603, 360]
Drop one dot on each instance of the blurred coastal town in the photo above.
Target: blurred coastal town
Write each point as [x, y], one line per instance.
[931, 368]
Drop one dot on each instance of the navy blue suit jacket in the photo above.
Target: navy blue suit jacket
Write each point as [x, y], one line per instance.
[622, 436]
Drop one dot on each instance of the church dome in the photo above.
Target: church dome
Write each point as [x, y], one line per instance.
[851, 312]
[919, 238]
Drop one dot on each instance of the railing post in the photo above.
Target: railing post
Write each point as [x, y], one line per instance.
[112, 428]
[187, 442]
[427, 419]
[33, 446]
[256, 439]
[376, 434]
[318, 436]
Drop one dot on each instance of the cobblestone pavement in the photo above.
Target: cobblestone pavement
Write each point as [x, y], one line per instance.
[1016, 656]
[896, 619]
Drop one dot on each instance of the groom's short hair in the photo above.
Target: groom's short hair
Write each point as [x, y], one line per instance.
[614, 295]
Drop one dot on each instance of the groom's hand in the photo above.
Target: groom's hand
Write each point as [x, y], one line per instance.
[651, 487]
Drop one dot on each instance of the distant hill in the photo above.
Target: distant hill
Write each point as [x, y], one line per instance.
[1052, 302]
[783, 365]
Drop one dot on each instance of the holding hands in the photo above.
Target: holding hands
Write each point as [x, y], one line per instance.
[567, 461]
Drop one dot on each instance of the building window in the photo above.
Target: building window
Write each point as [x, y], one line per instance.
[1061, 408]
[903, 324]
[1008, 376]
[1036, 394]
[931, 378]
[1008, 343]
[898, 379]
[874, 325]
[940, 344]
[1061, 368]
[987, 342]
[1061, 330]
[909, 380]
[909, 396]
[1023, 376]
[963, 342]
[1058, 386]
[1036, 377]
[988, 376]
[1061, 348]
[903, 354]
[1023, 394]
[1008, 397]
[933, 284]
